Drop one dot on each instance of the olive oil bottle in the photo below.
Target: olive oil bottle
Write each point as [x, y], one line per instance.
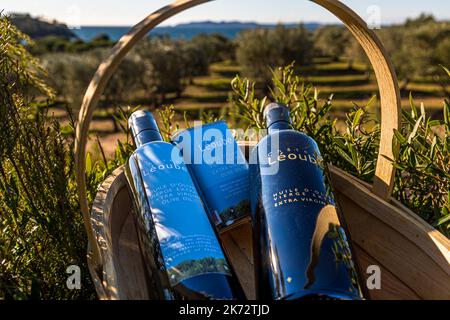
[301, 249]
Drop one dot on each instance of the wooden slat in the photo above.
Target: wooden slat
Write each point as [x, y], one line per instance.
[397, 216]
[238, 248]
[409, 250]
[122, 270]
[128, 261]
[102, 232]
[392, 288]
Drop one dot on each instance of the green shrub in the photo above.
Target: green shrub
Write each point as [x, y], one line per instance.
[155, 69]
[216, 47]
[42, 231]
[409, 48]
[71, 73]
[332, 41]
[162, 60]
[423, 165]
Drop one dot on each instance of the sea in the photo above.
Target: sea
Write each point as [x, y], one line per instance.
[186, 32]
[115, 33]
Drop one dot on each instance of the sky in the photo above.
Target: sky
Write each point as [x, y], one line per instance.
[125, 13]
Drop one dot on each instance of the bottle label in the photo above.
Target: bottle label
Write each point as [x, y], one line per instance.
[220, 169]
[188, 243]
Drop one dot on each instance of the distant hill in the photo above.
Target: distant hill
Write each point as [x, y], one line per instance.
[37, 28]
[240, 25]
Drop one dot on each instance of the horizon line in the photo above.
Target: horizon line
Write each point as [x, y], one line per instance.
[218, 22]
[324, 23]
[120, 25]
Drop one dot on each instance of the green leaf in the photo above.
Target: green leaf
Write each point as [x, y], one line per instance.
[447, 112]
[446, 70]
[357, 118]
[372, 100]
[339, 143]
[434, 123]
[399, 136]
[354, 154]
[396, 148]
[88, 163]
[433, 149]
[387, 158]
[413, 105]
[416, 128]
[443, 220]
[344, 155]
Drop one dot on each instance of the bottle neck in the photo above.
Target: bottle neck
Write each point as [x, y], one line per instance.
[147, 136]
[144, 128]
[280, 125]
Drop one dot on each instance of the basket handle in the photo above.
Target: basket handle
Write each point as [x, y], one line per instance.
[382, 65]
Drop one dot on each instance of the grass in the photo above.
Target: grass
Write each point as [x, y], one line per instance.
[353, 80]
[347, 85]
[213, 83]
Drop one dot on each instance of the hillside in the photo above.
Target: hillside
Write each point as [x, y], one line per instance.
[37, 28]
[241, 25]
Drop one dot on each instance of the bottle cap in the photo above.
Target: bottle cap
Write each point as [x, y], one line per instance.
[144, 128]
[276, 112]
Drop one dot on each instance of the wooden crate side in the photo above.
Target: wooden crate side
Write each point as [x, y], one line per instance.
[238, 248]
[392, 288]
[127, 257]
[410, 250]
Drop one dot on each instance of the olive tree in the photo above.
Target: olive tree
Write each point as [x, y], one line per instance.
[261, 49]
[417, 48]
[332, 41]
[215, 47]
[161, 60]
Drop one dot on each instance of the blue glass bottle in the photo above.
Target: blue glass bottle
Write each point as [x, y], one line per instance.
[183, 257]
[220, 169]
[300, 247]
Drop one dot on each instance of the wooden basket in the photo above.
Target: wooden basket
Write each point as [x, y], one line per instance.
[414, 258]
